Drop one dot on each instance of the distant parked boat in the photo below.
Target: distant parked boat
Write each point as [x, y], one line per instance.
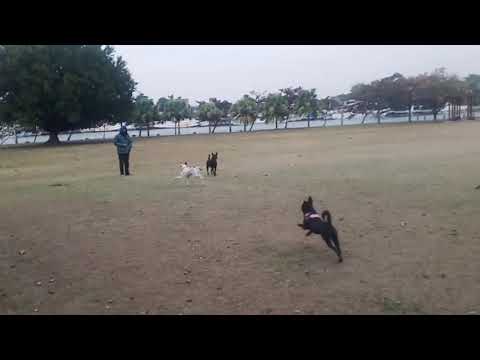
[392, 113]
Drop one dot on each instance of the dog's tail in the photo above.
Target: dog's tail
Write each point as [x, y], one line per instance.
[326, 214]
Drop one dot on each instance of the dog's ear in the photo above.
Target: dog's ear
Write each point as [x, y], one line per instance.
[310, 200]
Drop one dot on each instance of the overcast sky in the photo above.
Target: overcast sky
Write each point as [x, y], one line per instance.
[227, 72]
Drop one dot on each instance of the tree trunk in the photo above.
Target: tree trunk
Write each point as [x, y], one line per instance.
[341, 118]
[378, 116]
[148, 129]
[435, 115]
[470, 108]
[16, 137]
[104, 128]
[308, 122]
[230, 125]
[410, 104]
[286, 123]
[364, 117]
[276, 123]
[70, 135]
[215, 126]
[35, 138]
[140, 132]
[209, 127]
[179, 128]
[53, 139]
[251, 127]
[244, 126]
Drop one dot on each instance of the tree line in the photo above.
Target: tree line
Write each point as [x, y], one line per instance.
[430, 90]
[57, 88]
[274, 107]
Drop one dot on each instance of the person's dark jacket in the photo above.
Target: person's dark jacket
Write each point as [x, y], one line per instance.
[123, 142]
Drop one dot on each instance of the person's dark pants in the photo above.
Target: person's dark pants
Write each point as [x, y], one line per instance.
[124, 164]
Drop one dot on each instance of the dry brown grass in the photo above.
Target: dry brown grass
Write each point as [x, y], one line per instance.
[231, 246]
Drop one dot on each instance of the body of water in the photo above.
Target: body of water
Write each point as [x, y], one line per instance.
[236, 128]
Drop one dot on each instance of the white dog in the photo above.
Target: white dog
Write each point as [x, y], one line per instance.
[189, 171]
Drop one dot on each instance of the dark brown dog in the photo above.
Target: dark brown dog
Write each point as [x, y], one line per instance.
[212, 164]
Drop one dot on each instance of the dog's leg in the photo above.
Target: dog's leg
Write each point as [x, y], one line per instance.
[335, 240]
[301, 225]
[332, 243]
[308, 233]
[331, 246]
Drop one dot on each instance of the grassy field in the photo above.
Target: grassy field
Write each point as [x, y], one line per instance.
[76, 238]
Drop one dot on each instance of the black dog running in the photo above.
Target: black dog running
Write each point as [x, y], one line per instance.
[321, 225]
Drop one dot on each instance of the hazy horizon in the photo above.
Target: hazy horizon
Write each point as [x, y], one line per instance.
[199, 72]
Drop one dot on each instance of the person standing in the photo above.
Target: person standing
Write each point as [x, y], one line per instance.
[123, 142]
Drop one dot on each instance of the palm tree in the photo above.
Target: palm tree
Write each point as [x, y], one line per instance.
[291, 95]
[275, 108]
[260, 107]
[307, 104]
[246, 110]
[225, 107]
[145, 113]
[176, 110]
[208, 111]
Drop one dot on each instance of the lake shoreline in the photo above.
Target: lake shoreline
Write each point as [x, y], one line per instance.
[282, 129]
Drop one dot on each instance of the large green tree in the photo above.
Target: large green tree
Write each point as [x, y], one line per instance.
[434, 90]
[395, 92]
[63, 87]
[366, 94]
